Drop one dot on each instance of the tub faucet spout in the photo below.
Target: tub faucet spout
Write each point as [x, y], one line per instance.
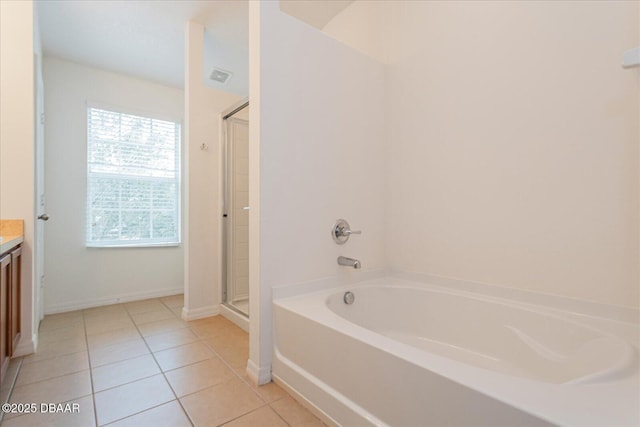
[349, 262]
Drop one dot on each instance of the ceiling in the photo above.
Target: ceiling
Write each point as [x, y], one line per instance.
[317, 13]
[146, 38]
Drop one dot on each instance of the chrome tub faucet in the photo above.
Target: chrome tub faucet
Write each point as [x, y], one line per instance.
[349, 262]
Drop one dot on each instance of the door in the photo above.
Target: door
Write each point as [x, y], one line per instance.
[40, 201]
[236, 294]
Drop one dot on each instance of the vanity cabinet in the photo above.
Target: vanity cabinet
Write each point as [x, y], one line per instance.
[10, 285]
[5, 282]
[14, 299]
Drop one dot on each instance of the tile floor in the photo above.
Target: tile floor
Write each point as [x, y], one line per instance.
[138, 364]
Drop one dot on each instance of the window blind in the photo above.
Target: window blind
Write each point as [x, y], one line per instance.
[133, 180]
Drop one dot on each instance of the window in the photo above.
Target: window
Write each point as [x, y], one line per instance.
[133, 180]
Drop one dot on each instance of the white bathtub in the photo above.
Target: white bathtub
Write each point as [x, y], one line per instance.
[409, 354]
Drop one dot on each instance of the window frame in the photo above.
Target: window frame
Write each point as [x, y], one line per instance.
[145, 243]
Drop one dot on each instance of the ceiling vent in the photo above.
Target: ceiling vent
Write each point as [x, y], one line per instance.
[220, 76]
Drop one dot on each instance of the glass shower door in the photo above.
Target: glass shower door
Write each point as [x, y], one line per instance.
[236, 294]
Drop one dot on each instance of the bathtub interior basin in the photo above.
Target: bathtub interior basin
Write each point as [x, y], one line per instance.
[489, 334]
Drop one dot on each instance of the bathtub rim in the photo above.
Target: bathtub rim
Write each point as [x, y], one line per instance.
[548, 302]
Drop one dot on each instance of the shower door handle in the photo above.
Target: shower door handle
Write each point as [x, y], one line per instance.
[246, 208]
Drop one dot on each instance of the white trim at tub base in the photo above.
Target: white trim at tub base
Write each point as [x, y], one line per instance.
[304, 402]
[240, 320]
[259, 376]
[199, 313]
[311, 389]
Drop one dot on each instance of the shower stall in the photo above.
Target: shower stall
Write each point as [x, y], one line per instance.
[235, 277]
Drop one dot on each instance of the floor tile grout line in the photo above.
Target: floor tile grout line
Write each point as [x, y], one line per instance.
[30, 361]
[137, 413]
[50, 378]
[153, 334]
[170, 308]
[211, 386]
[93, 390]
[231, 368]
[199, 340]
[12, 387]
[117, 361]
[278, 413]
[163, 373]
[240, 416]
[128, 382]
[98, 348]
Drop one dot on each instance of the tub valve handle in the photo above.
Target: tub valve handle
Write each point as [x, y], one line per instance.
[341, 231]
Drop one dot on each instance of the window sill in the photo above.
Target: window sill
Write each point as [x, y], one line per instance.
[132, 245]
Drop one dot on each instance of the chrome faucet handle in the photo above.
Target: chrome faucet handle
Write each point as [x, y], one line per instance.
[348, 232]
[341, 231]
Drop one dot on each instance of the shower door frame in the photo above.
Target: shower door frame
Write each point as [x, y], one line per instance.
[226, 205]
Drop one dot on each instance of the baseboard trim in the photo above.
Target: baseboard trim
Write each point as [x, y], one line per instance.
[26, 346]
[134, 296]
[258, 375]
[199, 313]
[234, 317]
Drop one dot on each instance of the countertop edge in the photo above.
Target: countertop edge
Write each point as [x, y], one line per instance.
[10, 242]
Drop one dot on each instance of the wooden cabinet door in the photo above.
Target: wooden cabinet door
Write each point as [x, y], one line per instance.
[5, 279]
[14, 300]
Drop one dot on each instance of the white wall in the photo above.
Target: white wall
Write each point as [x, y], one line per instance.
[77, 276]
[514, 142]
[203, 208]
[515, 146]
[17, 111]
[316, 146]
